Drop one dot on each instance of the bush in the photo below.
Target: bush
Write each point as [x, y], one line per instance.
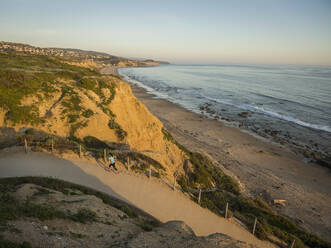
[113, 125]
[121, 134]
[93, 142]
[88, 113]
[84, 215]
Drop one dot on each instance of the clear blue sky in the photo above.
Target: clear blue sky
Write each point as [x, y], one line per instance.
[205, 31]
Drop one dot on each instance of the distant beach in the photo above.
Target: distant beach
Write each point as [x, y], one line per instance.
[264, 169]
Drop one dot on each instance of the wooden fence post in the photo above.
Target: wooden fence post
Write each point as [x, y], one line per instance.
[199, 198]
[25, 146]
[104, 155]
[292, 244]
[226, 210]
[52, 144]
[174, 187]
[80, 150]
[150, 171]
[129, 165]
[254, 226]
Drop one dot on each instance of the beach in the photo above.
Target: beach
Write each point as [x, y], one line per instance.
[263, 169]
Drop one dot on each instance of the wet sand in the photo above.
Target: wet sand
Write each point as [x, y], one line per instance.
[262, 168]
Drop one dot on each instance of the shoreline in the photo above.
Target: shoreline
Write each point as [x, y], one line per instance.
[263, 169]
[313, 145]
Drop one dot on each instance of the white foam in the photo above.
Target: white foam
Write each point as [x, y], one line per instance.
[261, 110]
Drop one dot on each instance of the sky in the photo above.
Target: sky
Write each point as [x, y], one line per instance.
[181, 31]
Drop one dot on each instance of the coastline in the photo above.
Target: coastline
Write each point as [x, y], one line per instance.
[263, 168]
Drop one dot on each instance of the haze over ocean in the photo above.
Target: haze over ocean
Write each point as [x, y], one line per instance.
[286, 103]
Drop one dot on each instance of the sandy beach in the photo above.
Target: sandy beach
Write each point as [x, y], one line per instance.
[262, 168]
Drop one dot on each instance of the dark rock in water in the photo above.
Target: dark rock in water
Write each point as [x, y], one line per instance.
[325, 162]
[243, 114]
[274, 132]
[315, 155]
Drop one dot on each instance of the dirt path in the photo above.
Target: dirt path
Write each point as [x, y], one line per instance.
[151, 196]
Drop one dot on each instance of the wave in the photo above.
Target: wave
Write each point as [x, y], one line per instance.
[262, 110]
[157, 87]
[286, 118]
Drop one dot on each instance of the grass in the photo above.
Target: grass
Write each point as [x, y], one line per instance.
[10, 209]
[8, 244]
[77, 235]
[126, 209]
[144, 160]
[88, 113]
[30, 75]
[147, 225]
[121, 134]
[167, 136]
[24, 75]
[84, 216]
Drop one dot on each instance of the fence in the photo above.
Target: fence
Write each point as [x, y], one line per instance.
[80, 149]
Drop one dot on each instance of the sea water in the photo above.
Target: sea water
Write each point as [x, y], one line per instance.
[288, 104]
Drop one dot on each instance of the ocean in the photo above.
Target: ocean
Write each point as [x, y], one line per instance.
[289, 105]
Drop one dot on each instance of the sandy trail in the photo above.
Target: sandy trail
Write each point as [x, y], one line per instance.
[149, 195]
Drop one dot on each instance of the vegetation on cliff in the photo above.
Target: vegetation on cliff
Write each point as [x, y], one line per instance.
[41, 78]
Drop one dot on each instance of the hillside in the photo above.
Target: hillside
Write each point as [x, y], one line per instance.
[77, 55]
[44, 212]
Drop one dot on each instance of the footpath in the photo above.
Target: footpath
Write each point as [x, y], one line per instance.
[151, 196]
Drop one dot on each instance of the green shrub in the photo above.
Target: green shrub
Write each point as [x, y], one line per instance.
[146, 225]
[126, 209]
[113, 125]
[121, 134]
[88, 113]
[72, 118]
[41, 211]
[84, 215]
[167, 136]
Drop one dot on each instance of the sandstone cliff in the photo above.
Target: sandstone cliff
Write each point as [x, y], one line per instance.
[71, 101]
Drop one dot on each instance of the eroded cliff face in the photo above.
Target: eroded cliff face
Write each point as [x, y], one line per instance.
[143, 131]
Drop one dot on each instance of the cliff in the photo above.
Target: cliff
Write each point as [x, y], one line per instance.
[65, 100]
